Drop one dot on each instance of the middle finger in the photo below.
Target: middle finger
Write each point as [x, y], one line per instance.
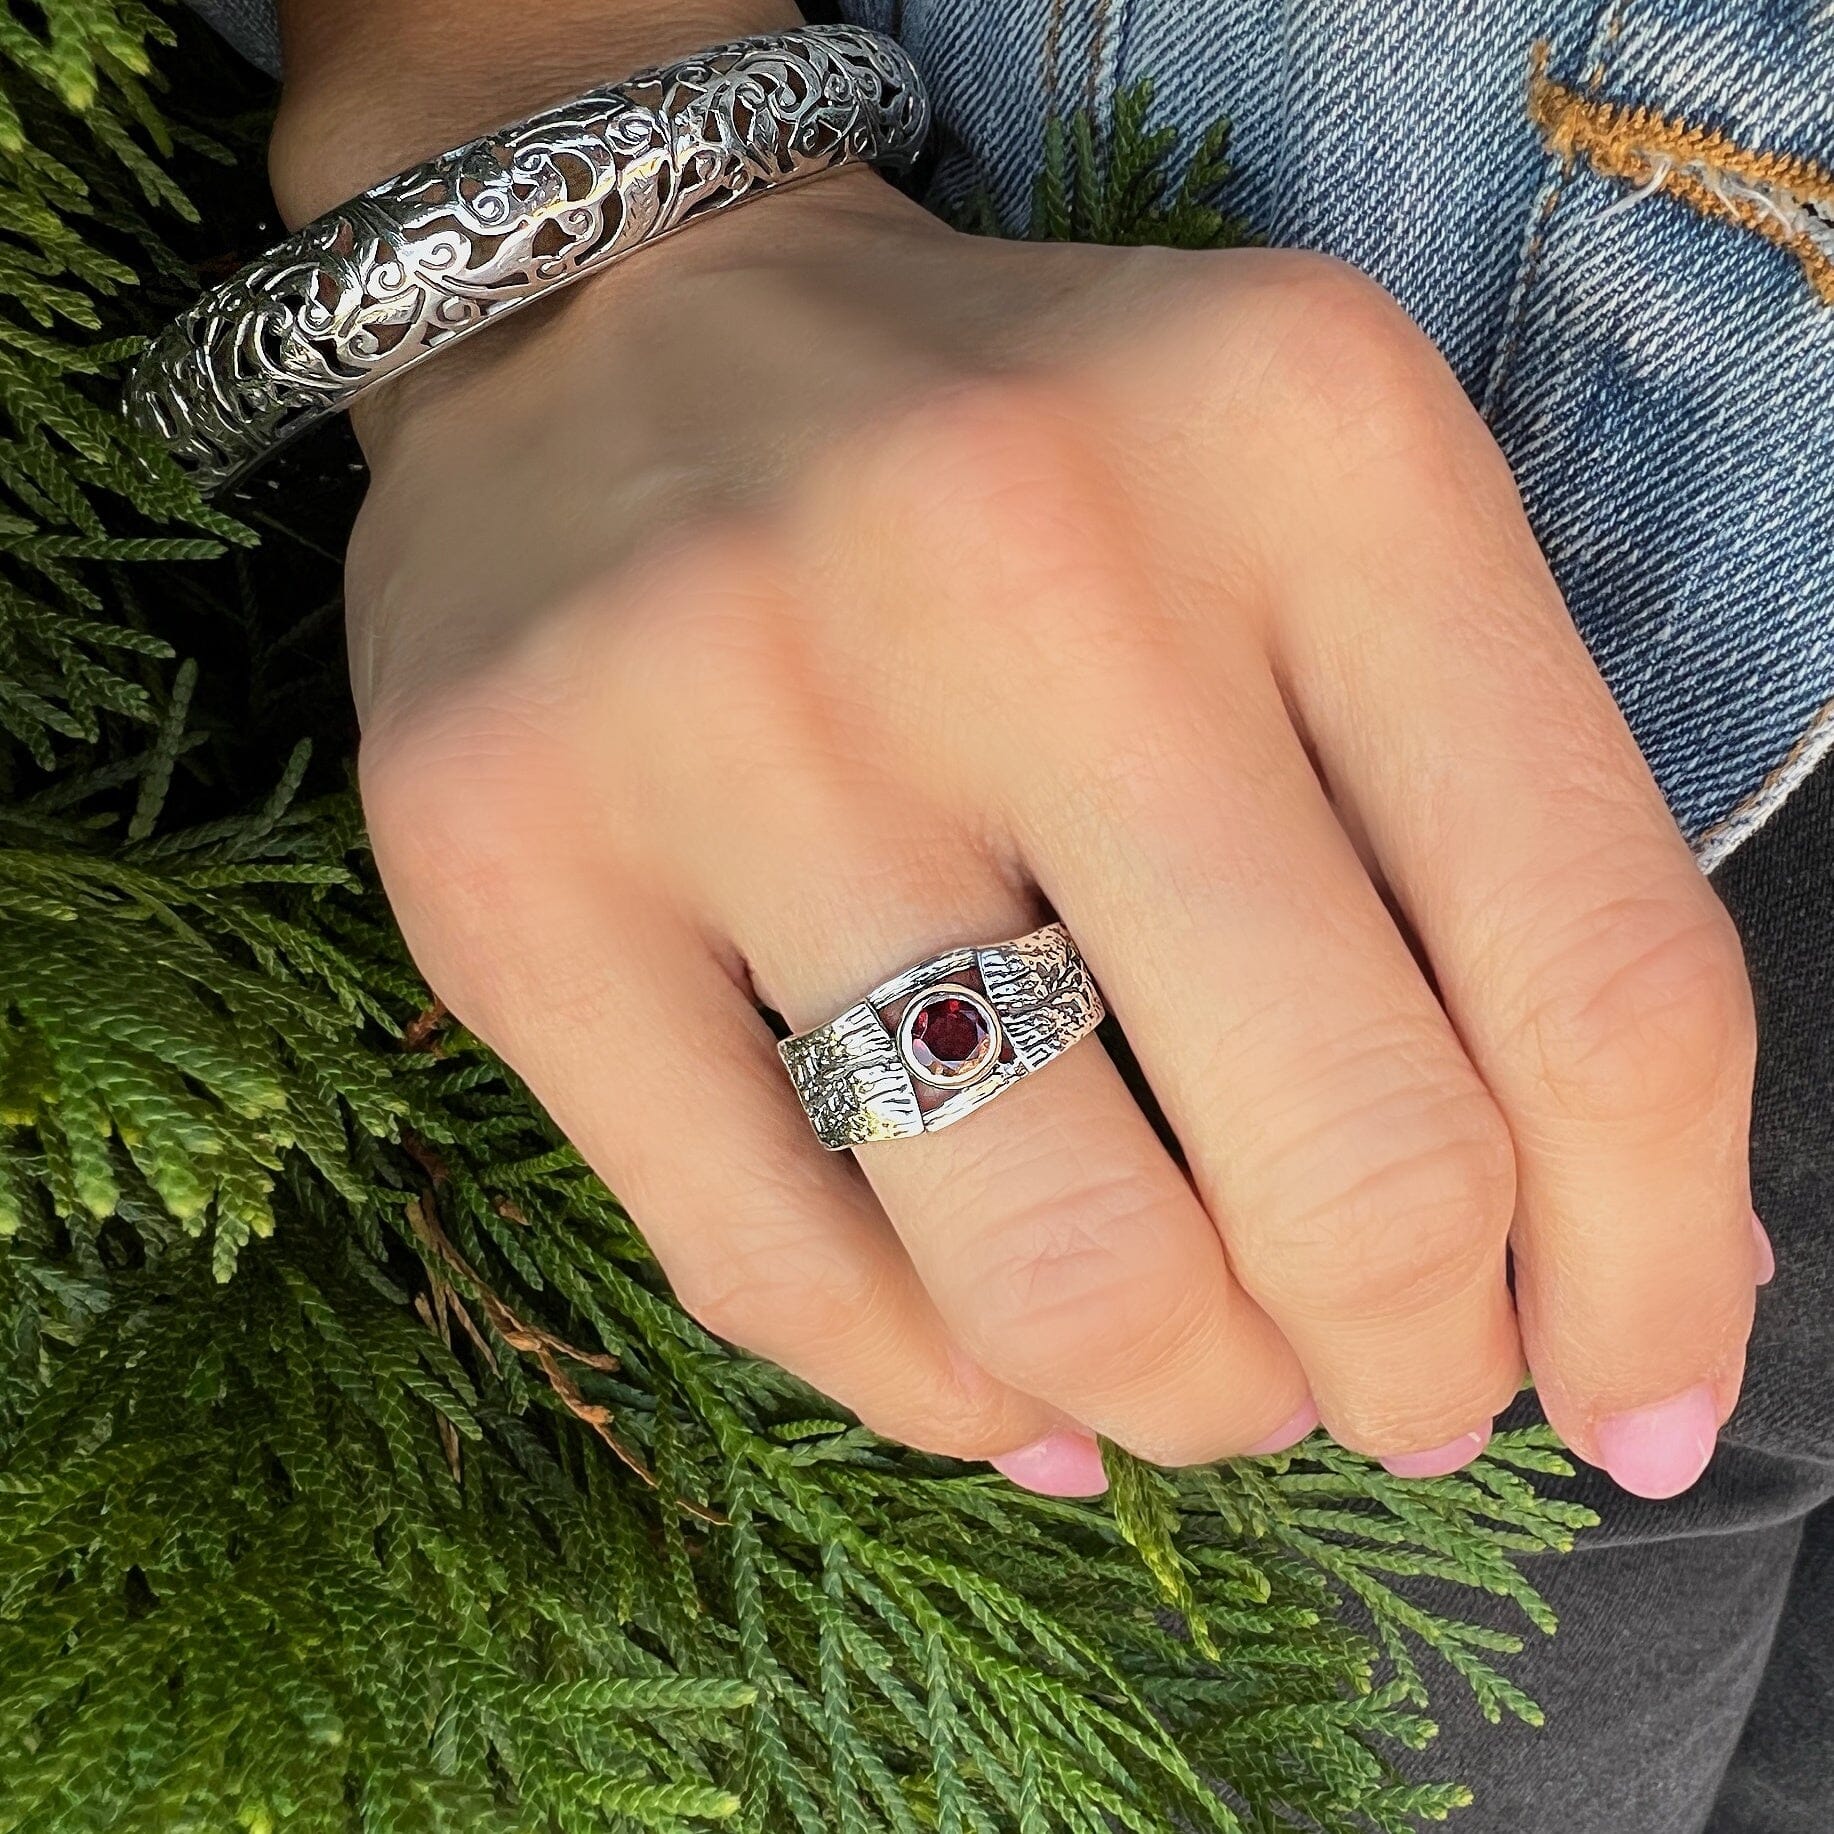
[1361, 1175]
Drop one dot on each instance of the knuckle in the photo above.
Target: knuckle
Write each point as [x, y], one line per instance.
[1080, 1283]
[950, 1417]
[1346, 362]
[453, 774]
[949, 1430]
[1393, 1206]
[455, 804]
[828, 1314]
[1347, 340]
[776, 1298]
[725, 1303]
[1648, 1014]
[1380, 1424]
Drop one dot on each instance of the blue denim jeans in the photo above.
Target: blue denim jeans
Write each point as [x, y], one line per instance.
[1661, 378]
[1657, 361]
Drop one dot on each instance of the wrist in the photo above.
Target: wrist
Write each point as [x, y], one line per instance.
[374, 85]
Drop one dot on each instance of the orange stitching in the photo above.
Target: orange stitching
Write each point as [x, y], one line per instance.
[1783, 197]
[1605, 35]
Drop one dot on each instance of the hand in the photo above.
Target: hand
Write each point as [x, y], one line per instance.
[827, 588]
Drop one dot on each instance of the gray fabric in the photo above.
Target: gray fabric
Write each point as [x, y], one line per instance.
[249, 25]
[1690, 1689]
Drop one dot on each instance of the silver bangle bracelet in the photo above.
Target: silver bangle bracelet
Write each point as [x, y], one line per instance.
[427, 257]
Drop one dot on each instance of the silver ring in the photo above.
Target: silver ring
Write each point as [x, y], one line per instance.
[941, 1039]
[427, 257]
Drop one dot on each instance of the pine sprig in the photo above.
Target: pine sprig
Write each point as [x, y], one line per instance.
[82, 151]
[1123, 181]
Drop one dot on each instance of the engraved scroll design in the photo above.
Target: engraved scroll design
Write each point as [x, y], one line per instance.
[852, 1082]
[1043, 992]
[428, 256]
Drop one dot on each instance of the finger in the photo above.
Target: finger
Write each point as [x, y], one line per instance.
[1588, 966]
[658, 1068]
[1059, 1241]
[1359, 1170]
[1335, 1129]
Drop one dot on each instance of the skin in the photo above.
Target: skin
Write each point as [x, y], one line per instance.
[826, 588]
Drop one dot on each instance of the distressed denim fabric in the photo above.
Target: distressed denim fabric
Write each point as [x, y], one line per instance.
[1663, 384]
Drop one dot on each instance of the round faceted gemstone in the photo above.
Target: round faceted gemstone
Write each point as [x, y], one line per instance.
[950, 1037]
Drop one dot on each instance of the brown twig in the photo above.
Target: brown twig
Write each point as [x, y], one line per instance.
[424, 1156]
[531, 1340]
[433, 1316]
[421, 1033]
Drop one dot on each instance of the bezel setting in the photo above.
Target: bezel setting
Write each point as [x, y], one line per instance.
[859, 1080]
[987, 1057]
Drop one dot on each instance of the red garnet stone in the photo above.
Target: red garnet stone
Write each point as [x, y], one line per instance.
[949, 1038]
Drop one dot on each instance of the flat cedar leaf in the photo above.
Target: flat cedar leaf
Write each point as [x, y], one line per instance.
[1146, 1512]
[644, 1694]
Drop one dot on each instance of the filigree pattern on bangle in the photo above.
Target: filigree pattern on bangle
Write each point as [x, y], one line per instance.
[378, 284]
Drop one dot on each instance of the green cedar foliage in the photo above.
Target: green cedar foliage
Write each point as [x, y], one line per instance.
[1123, 183]
[356, 1470]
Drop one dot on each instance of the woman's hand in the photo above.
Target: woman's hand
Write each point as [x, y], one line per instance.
[830, 588]
[826, 588]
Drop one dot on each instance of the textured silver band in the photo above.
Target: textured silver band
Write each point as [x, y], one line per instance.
[427, 257]
[862, 1077]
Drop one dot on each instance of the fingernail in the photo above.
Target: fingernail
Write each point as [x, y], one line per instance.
[1443, 1460]
[1285, 1438]
[1767, 1256]
[1659, 1451]
[1060, 1464]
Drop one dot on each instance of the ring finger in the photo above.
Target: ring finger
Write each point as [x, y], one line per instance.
[1056, 1236]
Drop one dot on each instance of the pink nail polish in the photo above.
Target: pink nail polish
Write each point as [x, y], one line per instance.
[1284, 1438]
[1659, 1451]
[1063, 1463]
[1767, 1256]
[1443, 1460]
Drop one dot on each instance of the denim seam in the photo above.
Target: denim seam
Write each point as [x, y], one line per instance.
[1606, 35]
[1716, 844]
[1099, 43]
[1103, 40]
[1125, 19]
[1786, 199]
[1814, 744]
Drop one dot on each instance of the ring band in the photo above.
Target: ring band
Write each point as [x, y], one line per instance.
[941, 1039]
